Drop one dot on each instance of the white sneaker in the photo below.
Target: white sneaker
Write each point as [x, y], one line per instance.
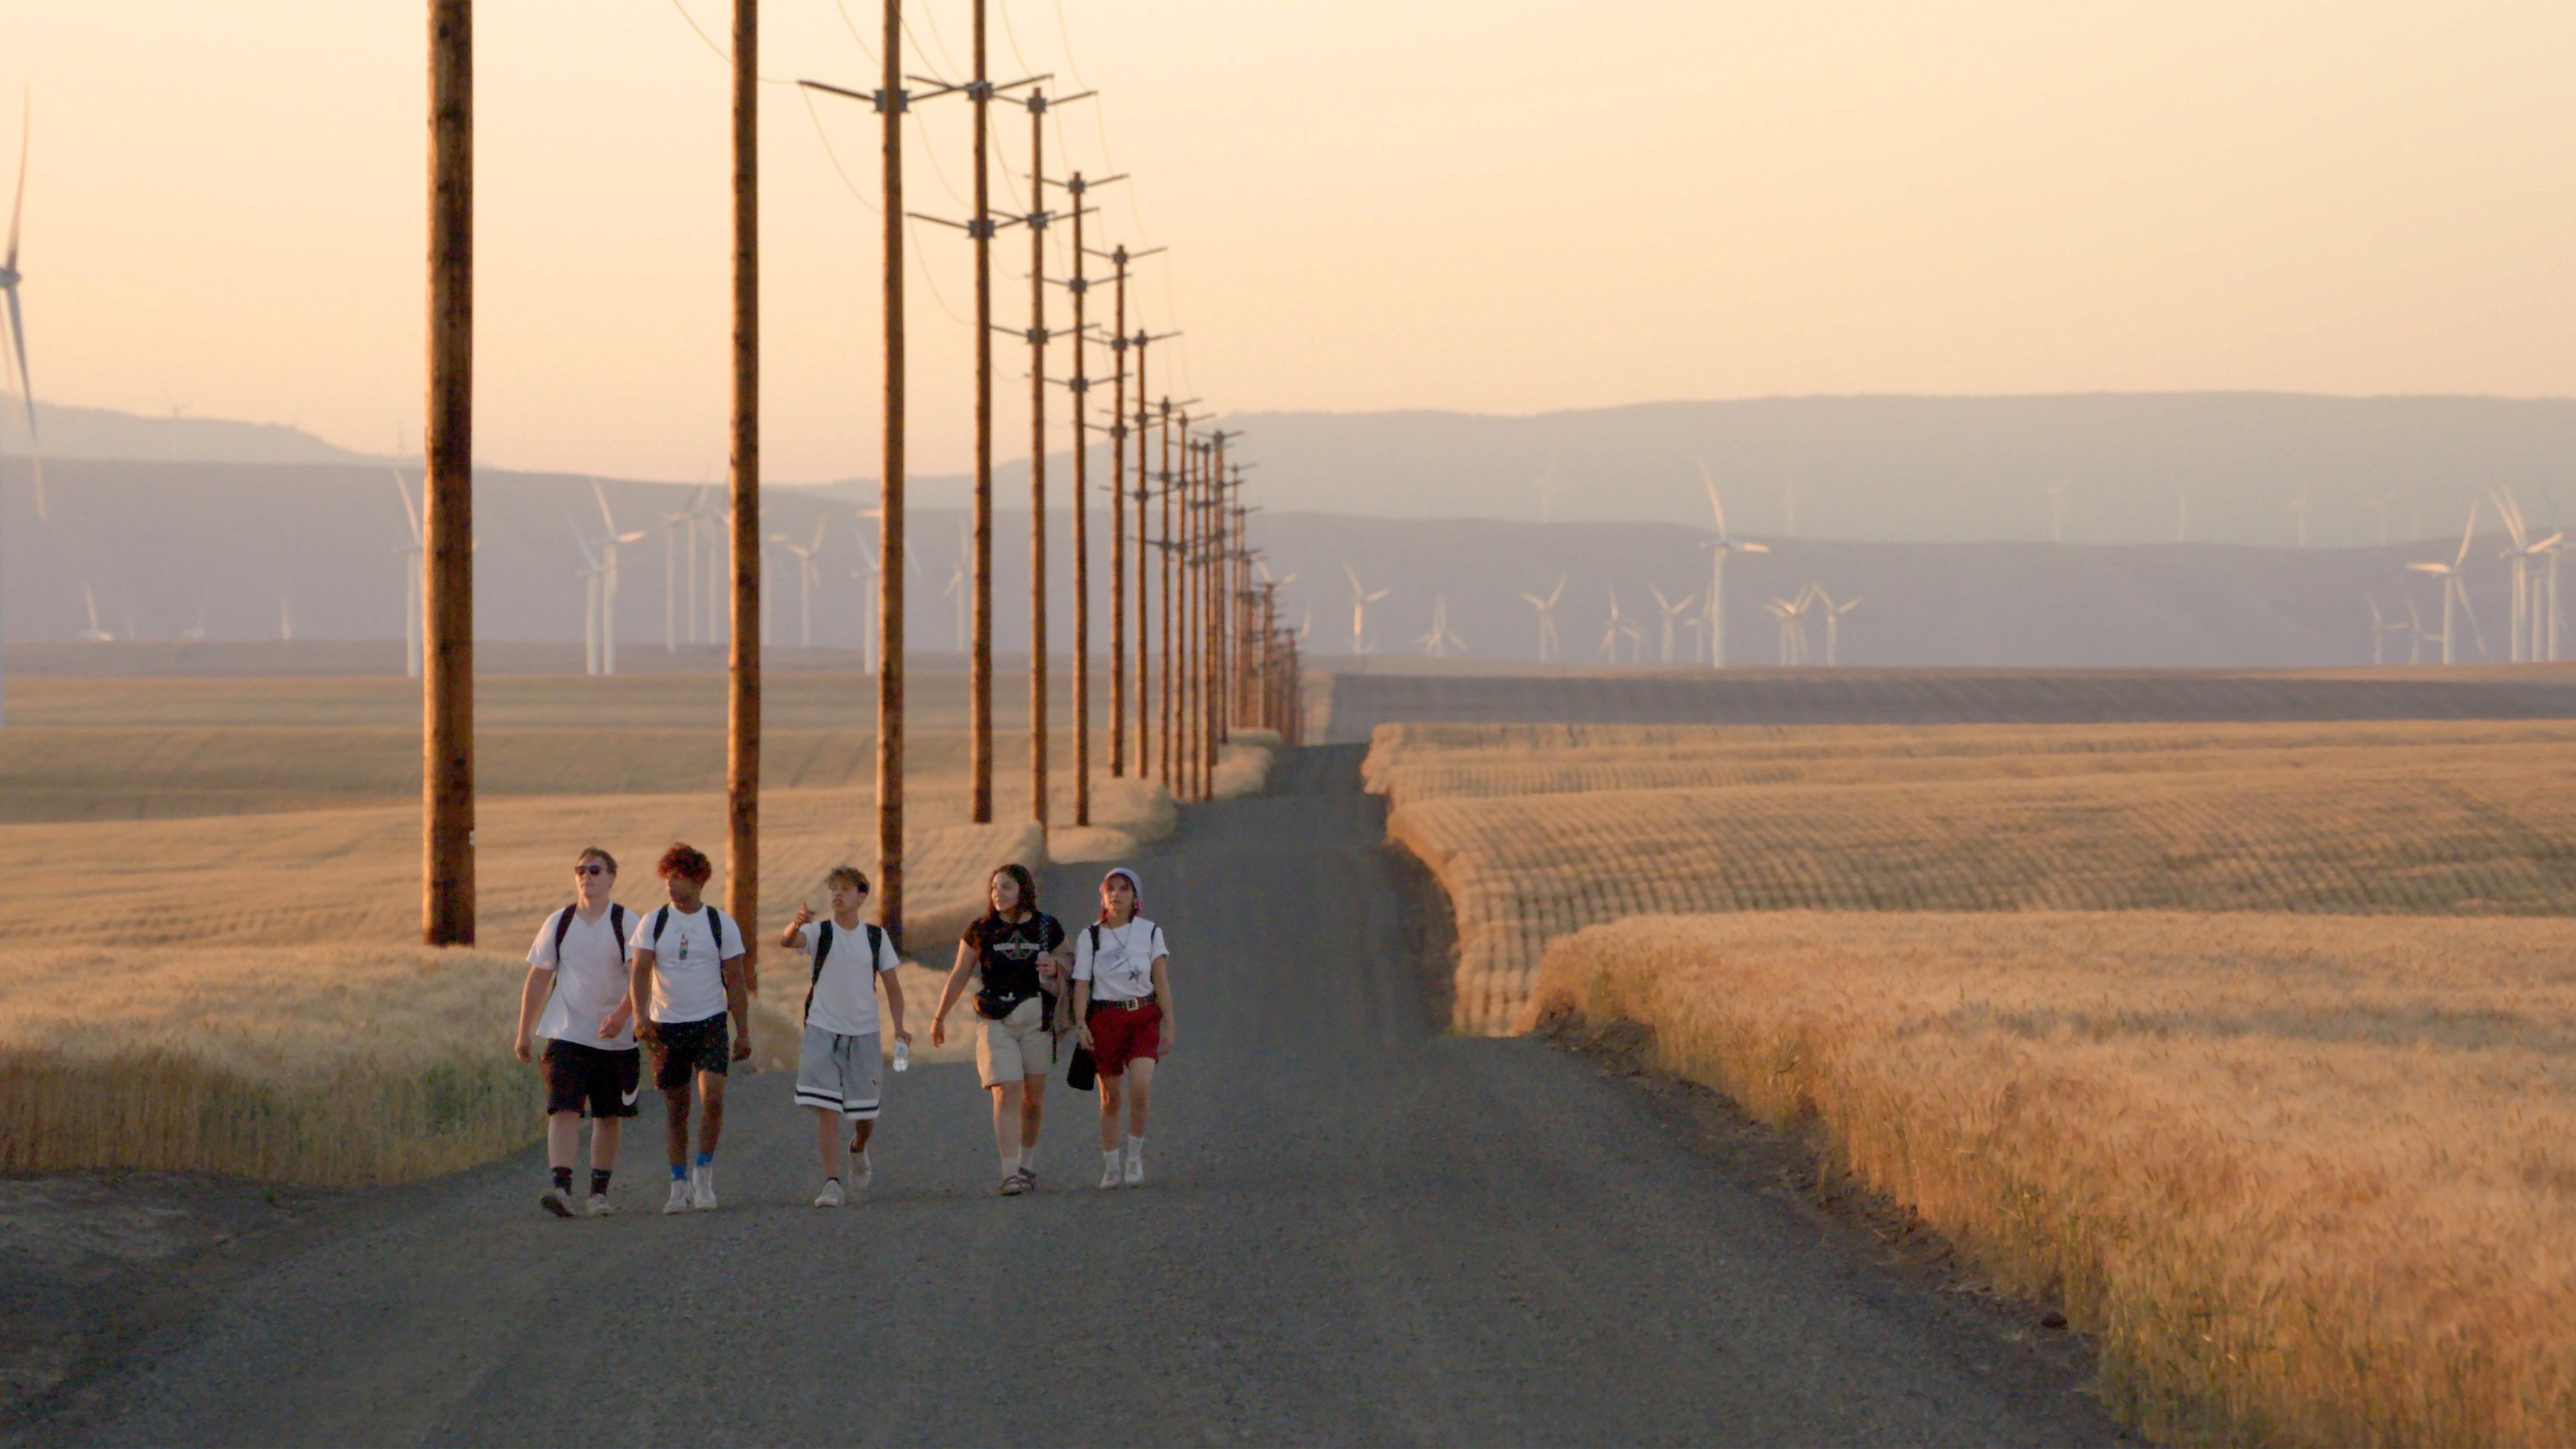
[862, 1171]
[1109, 1170]
[601, 1207]
[678, 1201]
[557, 1201]
[830, 1196]
[702, 1188]
[1135, 1168]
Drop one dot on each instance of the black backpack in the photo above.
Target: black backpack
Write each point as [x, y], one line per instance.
[616, 923]
[823, 948]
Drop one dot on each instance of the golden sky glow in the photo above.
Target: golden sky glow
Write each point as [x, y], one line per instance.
[1507, 206]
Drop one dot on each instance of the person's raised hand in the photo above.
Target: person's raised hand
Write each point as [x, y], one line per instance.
[804, 917]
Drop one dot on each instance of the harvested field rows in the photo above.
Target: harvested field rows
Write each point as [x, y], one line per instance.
[2308, 1180]
[2416, 819]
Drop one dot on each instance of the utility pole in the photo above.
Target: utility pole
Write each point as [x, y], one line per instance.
[890, 101]
[981, 228]
[1144, 607]
[742, 709]
[447, 491]
[1119, 342]
[1079, 384]
[1163, 744]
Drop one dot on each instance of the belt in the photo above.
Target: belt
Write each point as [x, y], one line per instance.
[1109, 1004]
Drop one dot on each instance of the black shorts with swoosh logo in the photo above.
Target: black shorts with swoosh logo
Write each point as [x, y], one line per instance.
[593, 1081]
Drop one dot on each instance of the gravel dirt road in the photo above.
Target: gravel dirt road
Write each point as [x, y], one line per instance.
[1357, 1232]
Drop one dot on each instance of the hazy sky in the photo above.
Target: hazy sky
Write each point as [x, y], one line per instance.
[1506, 205]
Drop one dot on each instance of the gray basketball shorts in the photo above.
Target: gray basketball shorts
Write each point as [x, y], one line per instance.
[839, 1073]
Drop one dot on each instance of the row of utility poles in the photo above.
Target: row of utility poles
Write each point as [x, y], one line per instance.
[1223, 662]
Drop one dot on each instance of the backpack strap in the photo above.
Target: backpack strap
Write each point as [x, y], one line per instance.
[822, 949]
[616, 923]
[661, 918]
[563, 928]
[715, 926]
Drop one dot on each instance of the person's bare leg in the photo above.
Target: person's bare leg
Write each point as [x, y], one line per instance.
[1140, 1094]
[1032, 1113]
[605, 1134]
[827, 1139]
[563, 1139]
[1109, 1102]
[675, 1124]
[711, 1092]
[1006, 1122]
[860, 1132]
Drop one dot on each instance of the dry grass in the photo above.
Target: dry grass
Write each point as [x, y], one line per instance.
[241, 996]
[2310, 1180]
[2442, 819]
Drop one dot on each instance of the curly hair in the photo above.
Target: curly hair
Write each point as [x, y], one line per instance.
[848, 875]
[1020, 875]
[687, 862]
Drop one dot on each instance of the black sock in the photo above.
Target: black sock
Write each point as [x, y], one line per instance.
[599, 1181]
[563, 1179]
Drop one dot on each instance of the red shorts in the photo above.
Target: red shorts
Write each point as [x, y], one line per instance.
[1120, 1035]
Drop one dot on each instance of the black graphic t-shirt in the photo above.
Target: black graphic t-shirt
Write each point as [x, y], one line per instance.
[1006, 953]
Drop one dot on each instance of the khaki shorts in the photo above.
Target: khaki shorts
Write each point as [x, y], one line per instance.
[1017, 1046]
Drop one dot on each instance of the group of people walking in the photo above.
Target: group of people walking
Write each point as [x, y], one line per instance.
[605, 985]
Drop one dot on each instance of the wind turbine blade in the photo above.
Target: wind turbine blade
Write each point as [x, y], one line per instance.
[2470, 609]
[2467, 535]
[2430, 568]
[26, 381]
[411, 514]
[607, 523]
[26, 128]
[1753, 547]
[1716, 509]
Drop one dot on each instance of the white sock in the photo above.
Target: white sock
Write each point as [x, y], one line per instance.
[1029, 1157]
[1010, 1163]
[1110, 1157]
[1135, 1149]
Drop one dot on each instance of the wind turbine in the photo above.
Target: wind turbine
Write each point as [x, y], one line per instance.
[1833, 621]
[1548, 649]
[590, 575]
[2453, 590]
[2056, 494]
[807, 576]
[871, 556]
[2381, 626]
[1610, 637]
[2299, 506]
[1361, 598]
[89, 601]
[680, 529]
[607, 565]
[411, 556]
[10, 277]
[2414, 634]
[2520, 550]
[1793, 627]
[1440, 641]
[1670, 612]
[1547, 485]
[2380, 506]
[1718, 549]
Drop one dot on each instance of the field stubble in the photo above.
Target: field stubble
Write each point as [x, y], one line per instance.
[1540, 831]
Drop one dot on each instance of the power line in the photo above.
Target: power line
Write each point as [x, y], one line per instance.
[719, 51]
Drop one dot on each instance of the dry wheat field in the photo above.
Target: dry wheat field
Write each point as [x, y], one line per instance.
[214, 887]
[1538, 831]
[2309, 1180]
[2248, 1043]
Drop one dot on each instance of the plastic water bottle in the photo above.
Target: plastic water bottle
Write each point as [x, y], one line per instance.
[903, 1056]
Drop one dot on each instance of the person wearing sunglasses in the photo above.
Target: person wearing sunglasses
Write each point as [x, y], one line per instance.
[577, 983]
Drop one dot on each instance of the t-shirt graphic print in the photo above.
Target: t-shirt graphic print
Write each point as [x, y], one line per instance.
[1006, 954]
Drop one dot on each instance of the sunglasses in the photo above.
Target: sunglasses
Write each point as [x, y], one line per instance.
[592, 868]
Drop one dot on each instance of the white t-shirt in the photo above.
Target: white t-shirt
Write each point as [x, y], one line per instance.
[688, 969]
[590, 980]
[1124, 969]
[845, 996]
